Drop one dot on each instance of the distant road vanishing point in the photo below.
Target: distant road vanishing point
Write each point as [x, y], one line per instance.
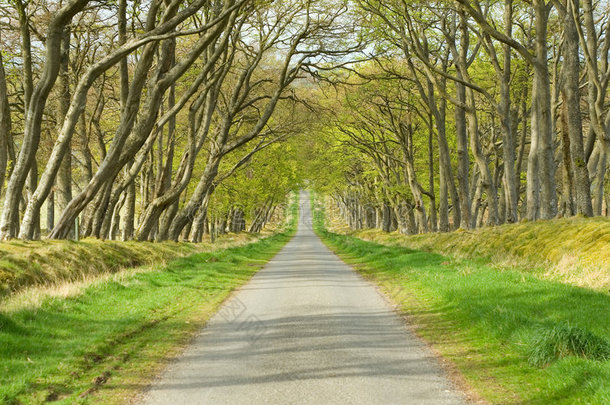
[305, 330]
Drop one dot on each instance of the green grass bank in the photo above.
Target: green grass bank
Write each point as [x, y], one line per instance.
[25, 264]
[571, 250]
[515, 338]
[104, 344]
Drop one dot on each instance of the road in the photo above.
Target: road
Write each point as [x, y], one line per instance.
[305, 330]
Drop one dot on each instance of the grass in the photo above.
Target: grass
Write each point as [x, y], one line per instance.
[85, 272]
[53, 263]
[571, 250]
[565, 340]
[514, 337]
[24, 264]
[102, 345]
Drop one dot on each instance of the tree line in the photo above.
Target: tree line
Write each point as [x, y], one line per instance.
[170, 119]
[470, 113]
[155, 119]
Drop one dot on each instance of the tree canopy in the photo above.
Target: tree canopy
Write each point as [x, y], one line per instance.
[172, 119]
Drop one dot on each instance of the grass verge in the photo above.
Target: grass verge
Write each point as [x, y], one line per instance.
[571, 250]
[514, 337]
[52, 263]
[103, 345]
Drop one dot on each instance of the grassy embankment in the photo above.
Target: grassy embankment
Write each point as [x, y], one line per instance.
[53, 263]
[514, 336]
[103, 344]
[571, 250]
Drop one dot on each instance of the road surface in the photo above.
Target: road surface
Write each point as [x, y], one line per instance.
[306, 330]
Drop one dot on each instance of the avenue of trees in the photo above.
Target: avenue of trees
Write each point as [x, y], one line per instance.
[470, 113]
[170, 119]
[154, 119]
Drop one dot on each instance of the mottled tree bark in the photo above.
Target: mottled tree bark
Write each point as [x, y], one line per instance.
[544, 168]
[571, 71]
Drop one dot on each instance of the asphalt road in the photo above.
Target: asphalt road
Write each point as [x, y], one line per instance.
[306, 330]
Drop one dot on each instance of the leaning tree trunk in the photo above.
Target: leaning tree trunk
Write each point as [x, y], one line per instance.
[198, 228]
[34, 115]
[63, 189]
[166, 221]
[599, 180]
[189, 211]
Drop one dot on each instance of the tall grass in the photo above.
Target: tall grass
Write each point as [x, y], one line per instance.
[563, 340]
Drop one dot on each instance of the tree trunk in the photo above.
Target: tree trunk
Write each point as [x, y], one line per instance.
[386, 219]
[470, 112]
[115, 224]
[31, 186]
[463, 157]
[461, 132]
[34, 115]
[487, 181]
[567, 203]
[64, 176]
[599, 181]
[571, 71]
[543, 169]
[508, 134]
[415, 187]
[522, 144]
[166, 221]
[130, 212]
[198, 228]
[5, 125]
[431, 192]
[50, 211]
